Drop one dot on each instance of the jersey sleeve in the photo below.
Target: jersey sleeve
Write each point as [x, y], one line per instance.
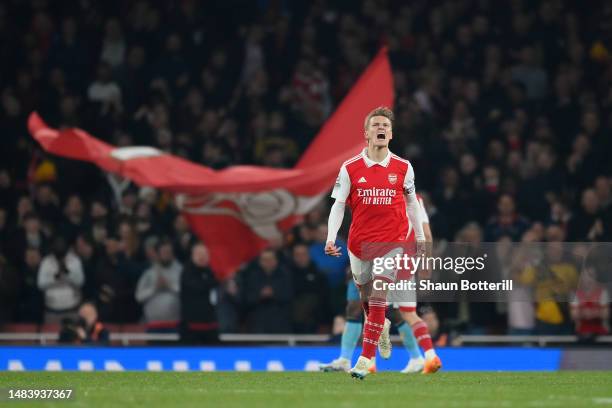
[342, 188]
[604, 299]
[409, 180]
[422, 212]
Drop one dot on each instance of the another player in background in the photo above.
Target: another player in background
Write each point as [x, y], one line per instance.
[590, 306]
[412, 328]
[403, 316]
[379, 188]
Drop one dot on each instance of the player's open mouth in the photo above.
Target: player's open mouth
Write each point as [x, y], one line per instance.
[381, 136]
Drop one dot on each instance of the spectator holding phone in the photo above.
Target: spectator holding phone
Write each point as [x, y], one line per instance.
[60, 277]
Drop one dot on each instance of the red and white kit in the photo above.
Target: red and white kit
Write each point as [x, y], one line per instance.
[375, 193]
[407, 301]
[382, 199]
[591, 303]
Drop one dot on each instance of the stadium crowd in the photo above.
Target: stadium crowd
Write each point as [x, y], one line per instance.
[503, 107]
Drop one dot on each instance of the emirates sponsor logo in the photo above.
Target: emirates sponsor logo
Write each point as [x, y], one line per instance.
[376, 192]
[376, 196]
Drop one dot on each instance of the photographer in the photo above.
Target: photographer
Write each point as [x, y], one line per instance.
[85, 329]
[60, 277]
[91, 329]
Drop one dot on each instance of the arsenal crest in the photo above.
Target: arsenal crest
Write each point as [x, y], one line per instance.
[392, 178]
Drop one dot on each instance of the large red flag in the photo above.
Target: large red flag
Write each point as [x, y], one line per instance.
[238, 211]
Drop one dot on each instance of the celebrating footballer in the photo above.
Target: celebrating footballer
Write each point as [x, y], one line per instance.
[379, 188]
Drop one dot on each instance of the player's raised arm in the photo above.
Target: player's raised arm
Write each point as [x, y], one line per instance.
[336, 214]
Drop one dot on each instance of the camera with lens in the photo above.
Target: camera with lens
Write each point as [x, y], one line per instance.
[71, 330]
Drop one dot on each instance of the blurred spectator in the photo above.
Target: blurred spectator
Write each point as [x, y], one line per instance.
[528, 73]
[98, 211]
[133, 77]
[45, 171]
[267, 294]
[274, 141]
[553, 280]
[144, 222]
[173, 65]
[158, 289]
[198, 299]
[46, 204]
[451, 202]
[184, 238]
[461, 131]
[311, 306]
[114, 281]
[310, 93]
[69, 53]
[507, 222]
[74, 218]
[31, 304]
[521, 305]
[128, 237]
[113, 46]
[482, 315]
[590, 308]
[587, 224]
[437, 219]
[29, 235]
[9, 291]
[24, 207]
[581, 165]
[105, 92]
[545, 182]
[86, 250]
[229, 305]
[559, 214]
[61, 277]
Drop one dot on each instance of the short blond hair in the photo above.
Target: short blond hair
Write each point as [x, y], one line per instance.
[380, 111]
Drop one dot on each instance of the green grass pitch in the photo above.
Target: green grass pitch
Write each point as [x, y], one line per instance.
[299, 389]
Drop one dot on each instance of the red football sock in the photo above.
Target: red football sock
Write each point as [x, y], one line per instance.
[421, 333]
[373, 327]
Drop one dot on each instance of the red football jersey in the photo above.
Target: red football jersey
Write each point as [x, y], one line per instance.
[375, 193]
[594, 301]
